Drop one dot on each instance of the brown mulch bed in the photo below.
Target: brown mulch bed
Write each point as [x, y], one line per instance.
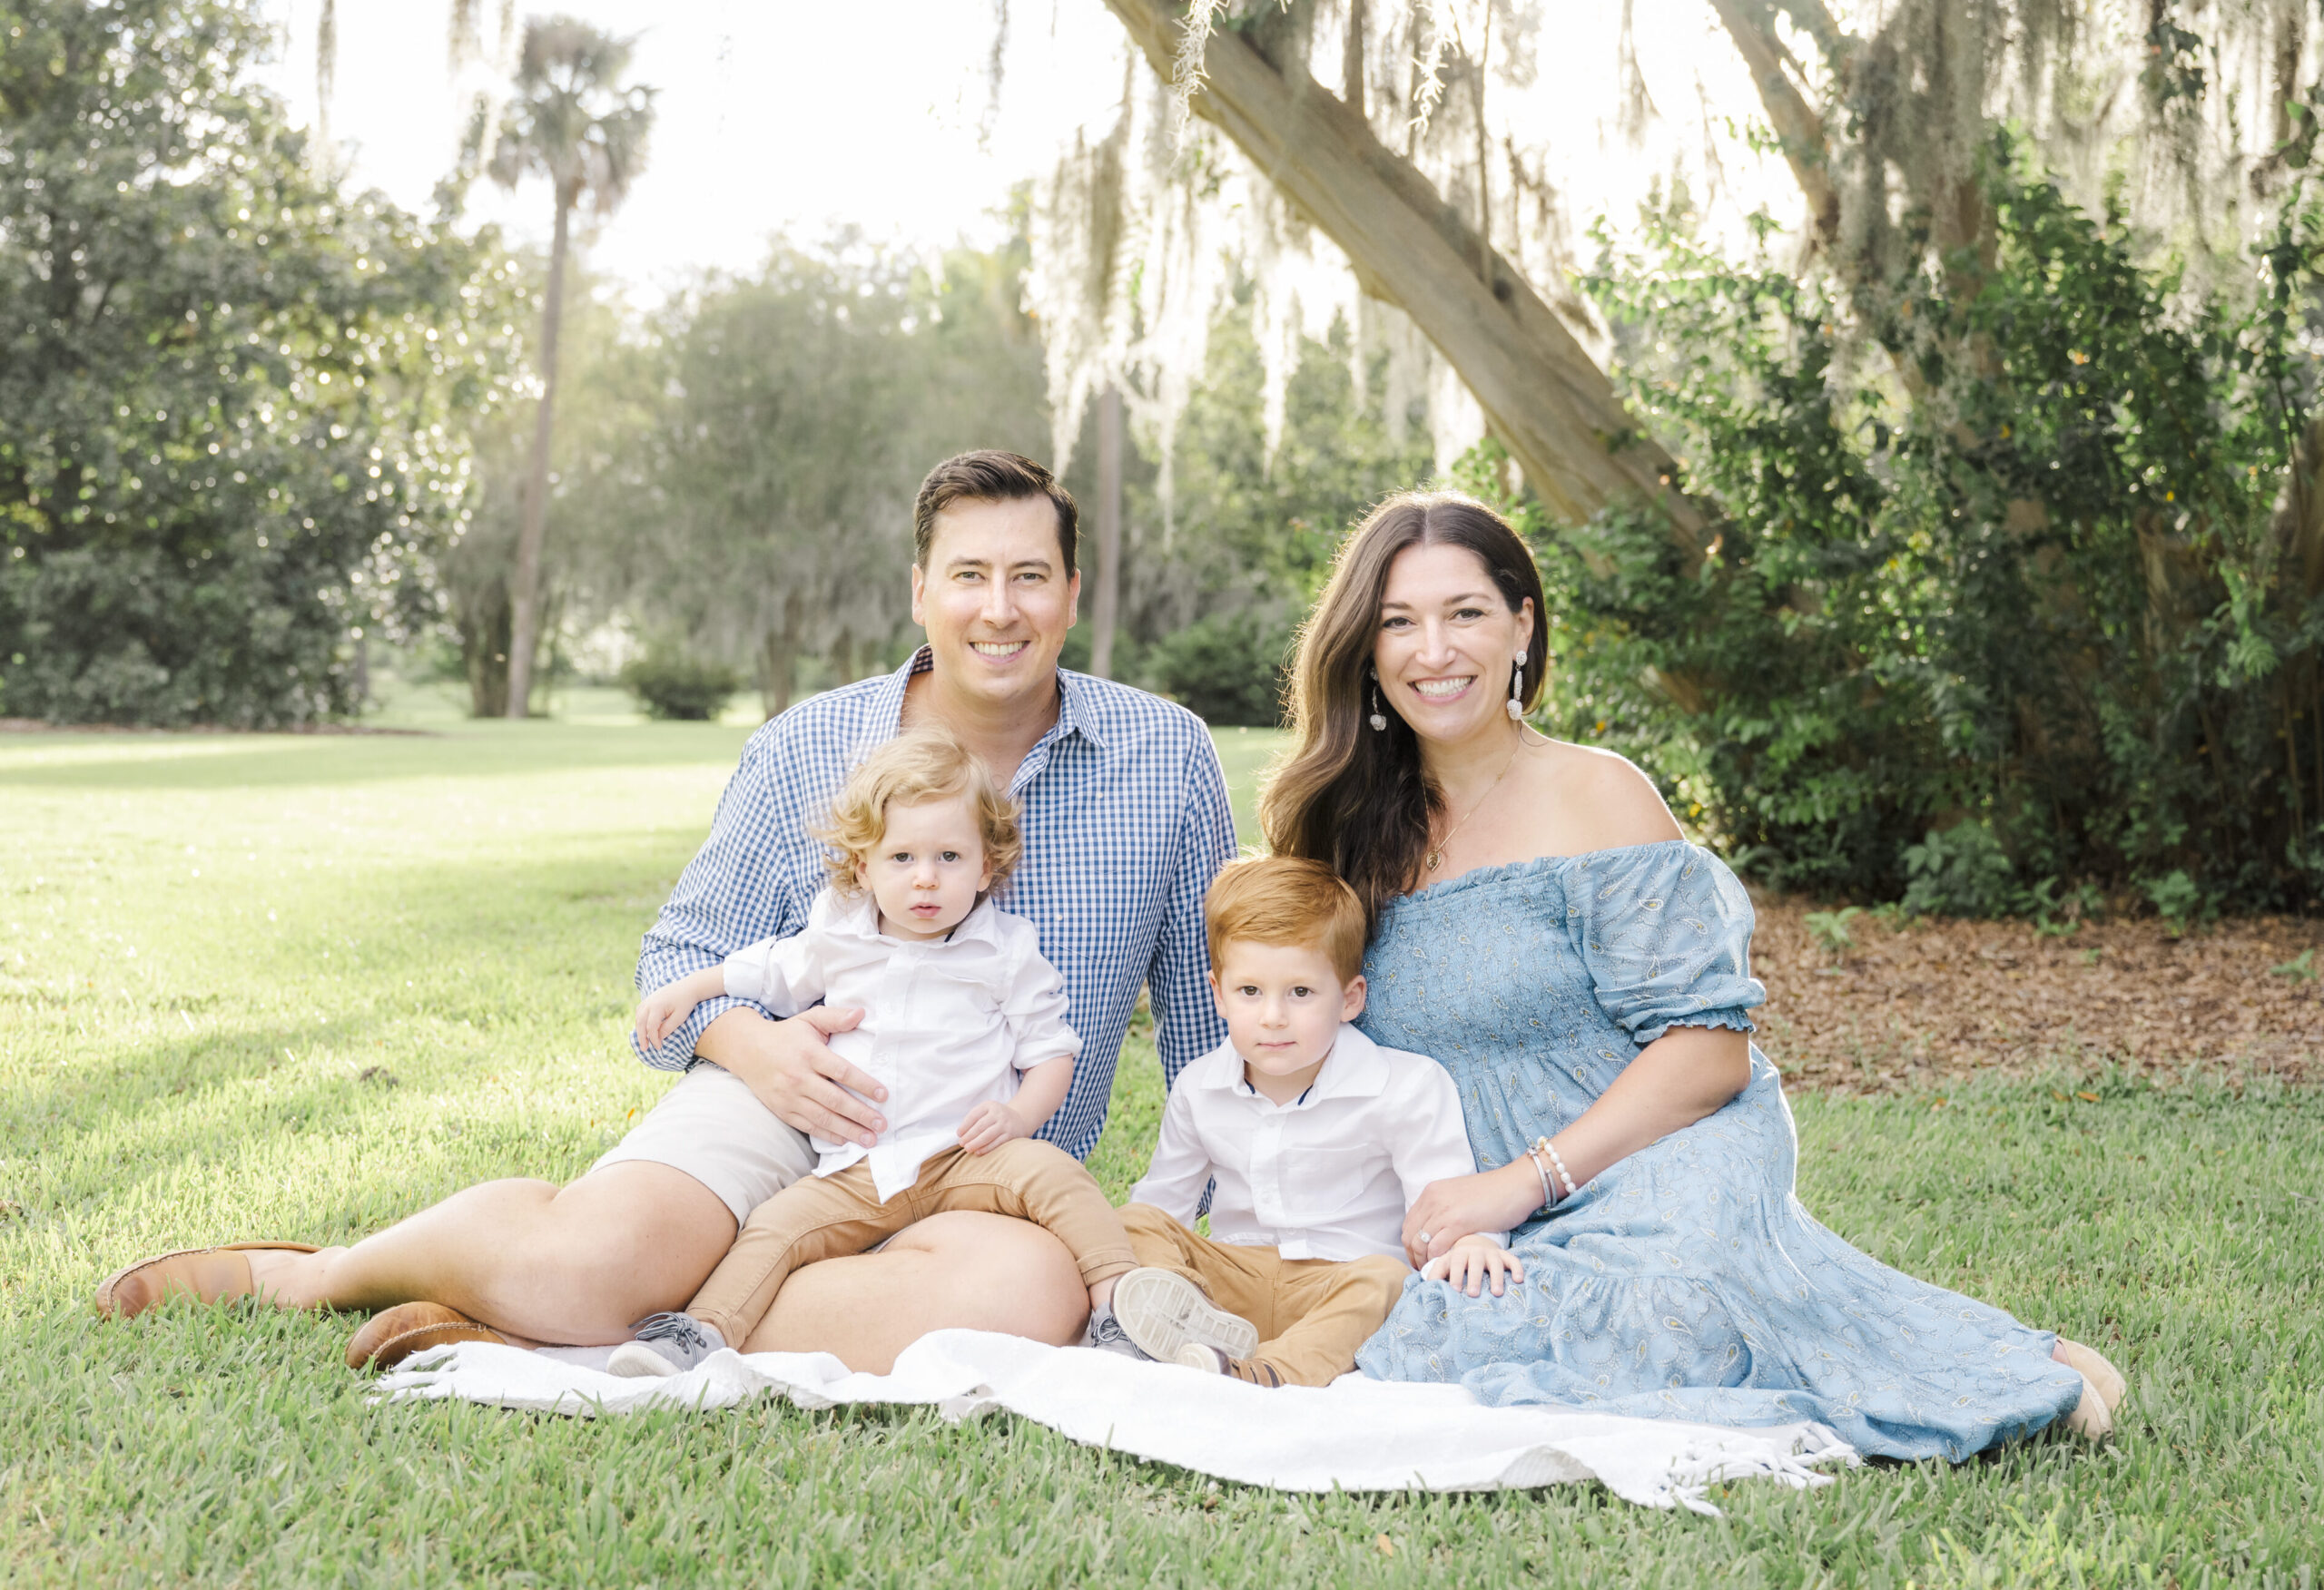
[1929, 1001]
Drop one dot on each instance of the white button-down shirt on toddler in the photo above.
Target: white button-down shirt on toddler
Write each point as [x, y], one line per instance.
[948, 1022]
[1326, 1176]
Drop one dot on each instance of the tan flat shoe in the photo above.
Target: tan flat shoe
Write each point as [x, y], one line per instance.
[2091, 1419]
[209, 1275]
[2096, 1369]
[393, 1335]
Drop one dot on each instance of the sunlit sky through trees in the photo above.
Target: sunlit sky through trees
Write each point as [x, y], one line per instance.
[802, 116]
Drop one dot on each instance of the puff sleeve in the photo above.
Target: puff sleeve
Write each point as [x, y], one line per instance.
[1665, 930]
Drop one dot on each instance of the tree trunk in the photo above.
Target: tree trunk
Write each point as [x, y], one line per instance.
[484, 647]
[779, 660]
[1798, 127]
[1547, 400]
[1105, 605]
[526, 598]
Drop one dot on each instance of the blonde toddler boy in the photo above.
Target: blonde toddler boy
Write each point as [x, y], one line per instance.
[964, 1022]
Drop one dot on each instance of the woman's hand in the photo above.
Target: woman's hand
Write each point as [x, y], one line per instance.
[1447, 1210]
[1474, 1259]
[990, 1125]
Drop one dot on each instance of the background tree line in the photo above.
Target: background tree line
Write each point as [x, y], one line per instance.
[1962, 548]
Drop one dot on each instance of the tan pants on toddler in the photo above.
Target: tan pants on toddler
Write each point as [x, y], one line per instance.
[1311, 1314]
[830, 1217]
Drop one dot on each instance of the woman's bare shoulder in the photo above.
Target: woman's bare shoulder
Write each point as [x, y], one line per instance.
[1605, 802]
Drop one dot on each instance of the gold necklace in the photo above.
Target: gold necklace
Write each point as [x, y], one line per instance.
[1436, 855]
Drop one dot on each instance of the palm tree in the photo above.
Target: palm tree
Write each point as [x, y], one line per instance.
[573, 121]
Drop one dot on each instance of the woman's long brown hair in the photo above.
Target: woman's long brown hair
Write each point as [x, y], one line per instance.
[1351, 796]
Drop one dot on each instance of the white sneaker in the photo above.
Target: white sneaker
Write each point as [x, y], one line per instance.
[667, 1344]
[638, 1362]
[1165, 1313]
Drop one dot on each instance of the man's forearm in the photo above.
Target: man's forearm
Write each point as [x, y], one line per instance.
[735, 1039]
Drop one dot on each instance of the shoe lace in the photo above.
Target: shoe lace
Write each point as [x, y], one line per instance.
[1105, 1331]
[678, 1329]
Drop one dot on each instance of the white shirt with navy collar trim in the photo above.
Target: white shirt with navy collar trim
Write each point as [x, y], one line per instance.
[1326, 1176]
[948, 1022]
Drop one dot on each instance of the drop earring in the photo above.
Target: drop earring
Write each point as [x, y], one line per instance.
[1516, 678]
[1379, 718]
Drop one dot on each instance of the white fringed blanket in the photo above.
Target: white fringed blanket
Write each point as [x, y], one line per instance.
[1357, 1435]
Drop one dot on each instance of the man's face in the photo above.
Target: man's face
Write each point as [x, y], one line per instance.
[996, 600]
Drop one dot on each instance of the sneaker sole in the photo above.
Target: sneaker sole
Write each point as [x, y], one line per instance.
[636, 1361]
[1163, 1313]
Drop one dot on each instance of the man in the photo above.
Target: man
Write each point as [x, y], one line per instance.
[1126, 820]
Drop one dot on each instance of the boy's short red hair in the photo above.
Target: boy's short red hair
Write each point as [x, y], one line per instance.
[1286, 899]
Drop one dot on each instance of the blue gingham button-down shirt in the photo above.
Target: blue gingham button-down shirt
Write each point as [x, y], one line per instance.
[1126, 822]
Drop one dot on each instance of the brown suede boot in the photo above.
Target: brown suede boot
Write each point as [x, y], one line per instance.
[393, 1335]
[207, 1275]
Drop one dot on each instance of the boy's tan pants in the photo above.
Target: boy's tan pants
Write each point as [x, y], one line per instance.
[1312, 1314]
[829, 1217]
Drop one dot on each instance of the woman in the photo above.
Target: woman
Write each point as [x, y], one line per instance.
[1540, 927]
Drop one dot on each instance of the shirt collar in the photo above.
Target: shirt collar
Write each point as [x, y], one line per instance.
[1076, 712]
[859, 914]
[1354, 1069]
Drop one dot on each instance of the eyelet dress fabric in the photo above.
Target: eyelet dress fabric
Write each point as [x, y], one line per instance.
[1685, 1282]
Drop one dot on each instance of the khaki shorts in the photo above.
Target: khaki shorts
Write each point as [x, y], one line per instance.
[713, 1128]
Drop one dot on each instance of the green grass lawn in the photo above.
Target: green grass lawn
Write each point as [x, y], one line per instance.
[298, 987]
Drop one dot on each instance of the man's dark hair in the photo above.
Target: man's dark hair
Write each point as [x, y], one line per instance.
[991, 475]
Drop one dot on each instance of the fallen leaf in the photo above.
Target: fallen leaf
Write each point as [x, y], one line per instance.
[2087, 1098]
[1387, 1547]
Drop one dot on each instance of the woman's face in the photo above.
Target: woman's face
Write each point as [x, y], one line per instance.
[1447, 643]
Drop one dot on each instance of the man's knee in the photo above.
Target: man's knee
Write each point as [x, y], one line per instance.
[632, 1221]
[993, 1272]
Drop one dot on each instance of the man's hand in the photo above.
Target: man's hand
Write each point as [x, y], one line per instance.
[1473, 1261]
[791, 1067]
[990, 1125]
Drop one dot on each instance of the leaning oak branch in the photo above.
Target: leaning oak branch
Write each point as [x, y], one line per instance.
[1547, 400]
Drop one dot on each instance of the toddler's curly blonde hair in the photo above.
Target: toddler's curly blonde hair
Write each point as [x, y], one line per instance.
[925, 764]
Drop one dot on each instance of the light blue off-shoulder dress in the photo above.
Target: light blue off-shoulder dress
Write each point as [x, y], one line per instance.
[1685, 1282]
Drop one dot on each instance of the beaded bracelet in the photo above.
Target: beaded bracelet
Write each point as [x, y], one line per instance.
[1548, 1196]
[1564, 1176]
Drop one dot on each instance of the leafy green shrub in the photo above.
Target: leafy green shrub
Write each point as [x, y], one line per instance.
[2006, 580]
[222, 452]
[669, 684]
[1227, 669]
[2175, 896]
[1830, 929]
[1962, 871]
